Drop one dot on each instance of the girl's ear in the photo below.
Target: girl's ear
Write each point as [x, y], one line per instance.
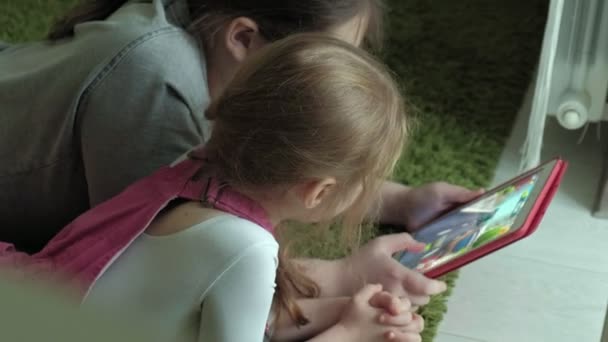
[315, 192]
[242, 38]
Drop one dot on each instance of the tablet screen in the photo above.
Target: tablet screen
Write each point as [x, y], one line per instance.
[472, 226]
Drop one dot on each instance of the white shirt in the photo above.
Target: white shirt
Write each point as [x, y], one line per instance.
[211, 282]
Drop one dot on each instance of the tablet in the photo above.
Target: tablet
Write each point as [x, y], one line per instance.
[496, 219]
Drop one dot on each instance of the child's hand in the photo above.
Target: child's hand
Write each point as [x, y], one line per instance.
[374, 263]
[398, 312]
[374, 315]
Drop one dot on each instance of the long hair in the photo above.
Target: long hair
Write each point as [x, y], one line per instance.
[303, 108]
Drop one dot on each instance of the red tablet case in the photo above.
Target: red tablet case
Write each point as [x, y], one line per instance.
[529, 226]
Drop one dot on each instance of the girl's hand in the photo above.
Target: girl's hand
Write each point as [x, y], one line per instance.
[422, 204]
[373, 315]
[398, 312]
[391, 304]
[374, 263]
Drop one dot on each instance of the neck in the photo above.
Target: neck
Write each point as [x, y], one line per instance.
[275, 210]
[216, 76]
[213, 83]
[267, 199]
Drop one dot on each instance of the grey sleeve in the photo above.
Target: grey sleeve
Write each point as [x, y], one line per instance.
[132, 123]
[237, 306]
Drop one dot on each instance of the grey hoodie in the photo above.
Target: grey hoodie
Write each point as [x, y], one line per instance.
[84, 117]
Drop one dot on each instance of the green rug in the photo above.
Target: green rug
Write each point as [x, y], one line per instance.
[464, 66]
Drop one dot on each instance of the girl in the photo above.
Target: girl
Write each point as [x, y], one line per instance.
[307, 131]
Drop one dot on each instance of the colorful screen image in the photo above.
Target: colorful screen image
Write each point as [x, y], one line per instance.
[471, 227]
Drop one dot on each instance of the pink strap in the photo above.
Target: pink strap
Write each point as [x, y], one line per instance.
[84, 249]
[222, 197]
[210, 190]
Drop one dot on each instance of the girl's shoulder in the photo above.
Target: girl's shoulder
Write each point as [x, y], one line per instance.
[140, 41]
[224, 235]
[142, 38]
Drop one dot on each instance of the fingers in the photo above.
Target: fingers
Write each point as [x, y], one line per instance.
[365, 295]
[390, 303]
[469, 195]
[417, 301]
[409, 333]
[393, 243]
[400, 336]
[416, 325]
[399, 320]
[456, 194]
[450, 193]
[417, 284]
[386, 301]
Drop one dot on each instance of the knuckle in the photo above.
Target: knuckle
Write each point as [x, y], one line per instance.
[395, 273]
[437, 187]
[357, 299]
[423, 300]
[396, 291]
[357, 304]
[420, 321]
[381, 241]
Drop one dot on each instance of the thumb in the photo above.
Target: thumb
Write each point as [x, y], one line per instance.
[393, 243]
[417, 284]
[458, 194]
[367, 292]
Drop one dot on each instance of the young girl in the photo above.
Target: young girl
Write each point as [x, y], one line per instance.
[307, 131]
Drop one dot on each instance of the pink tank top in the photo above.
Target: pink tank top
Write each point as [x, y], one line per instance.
[85, 248]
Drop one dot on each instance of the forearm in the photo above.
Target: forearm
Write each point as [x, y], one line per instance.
[335, 333]
[332, 276]
[390, 205]
[337, 278]
[323, 313]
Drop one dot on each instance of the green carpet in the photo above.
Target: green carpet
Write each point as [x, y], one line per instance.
[464, 66]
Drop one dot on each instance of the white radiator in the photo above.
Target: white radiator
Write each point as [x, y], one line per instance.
[572, 78]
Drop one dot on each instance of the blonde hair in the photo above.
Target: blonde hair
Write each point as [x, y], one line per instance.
[307, 107]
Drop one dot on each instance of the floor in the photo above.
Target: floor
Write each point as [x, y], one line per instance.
[552, 286]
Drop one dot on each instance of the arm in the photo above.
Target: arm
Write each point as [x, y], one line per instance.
[414, 207]
[335, 277]
[323, 313]
[134, 121]
[374, 263]
[330, 275]
[392, 200]
[237, 306]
